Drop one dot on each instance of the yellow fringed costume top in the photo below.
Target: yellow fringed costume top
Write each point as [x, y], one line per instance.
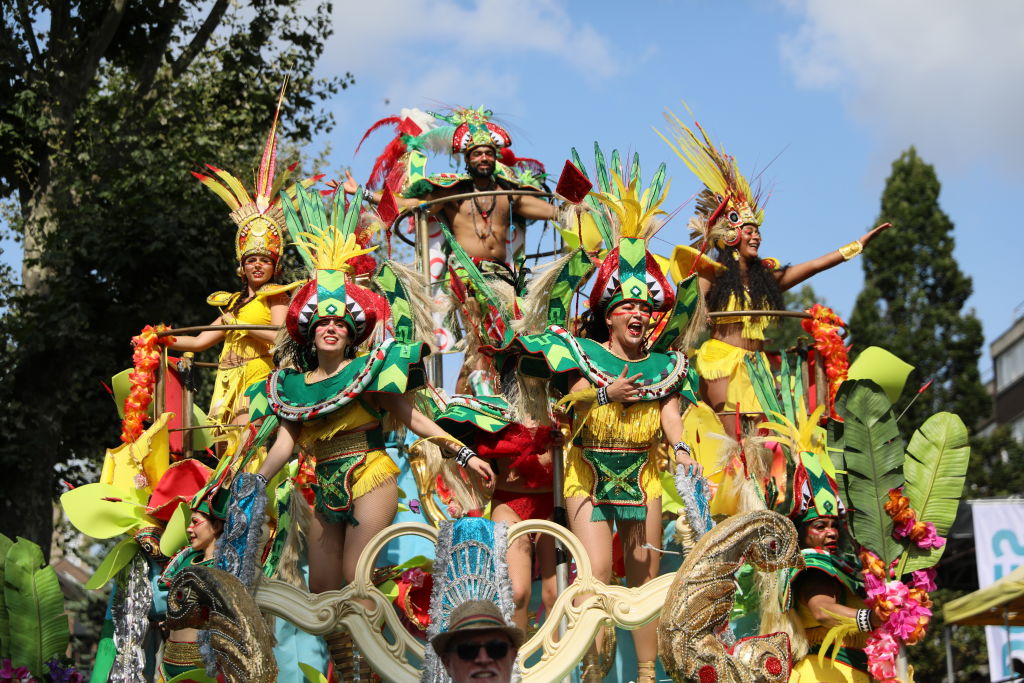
[753, 325]
[245, 358]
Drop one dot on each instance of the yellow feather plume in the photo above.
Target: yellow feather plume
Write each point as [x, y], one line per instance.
[333, 254]
[627, 205]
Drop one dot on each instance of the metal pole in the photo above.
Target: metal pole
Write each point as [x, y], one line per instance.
[435, 371]
[948, 635]
[562, 518]
[186, 404]
[159, 400]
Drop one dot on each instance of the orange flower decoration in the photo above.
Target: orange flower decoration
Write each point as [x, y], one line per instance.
[824, 325]
[873, 564]
[146, 359]
[898, 507]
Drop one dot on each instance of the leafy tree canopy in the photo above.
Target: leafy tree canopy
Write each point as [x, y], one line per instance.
[107, 107]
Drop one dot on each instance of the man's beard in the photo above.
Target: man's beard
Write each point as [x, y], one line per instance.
[480, 171]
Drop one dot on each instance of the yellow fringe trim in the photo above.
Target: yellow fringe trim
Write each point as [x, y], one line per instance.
[377, 469]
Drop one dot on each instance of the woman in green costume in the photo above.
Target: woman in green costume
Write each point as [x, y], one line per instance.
[334, 402]
[630, 382]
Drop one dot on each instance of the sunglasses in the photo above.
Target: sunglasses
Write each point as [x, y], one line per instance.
[467, 651]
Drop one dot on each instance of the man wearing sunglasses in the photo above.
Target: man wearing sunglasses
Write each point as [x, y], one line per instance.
[478, 644]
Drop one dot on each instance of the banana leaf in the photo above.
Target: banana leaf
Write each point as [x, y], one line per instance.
[935, 469]
[873, 455]
[35, 605]
[5, 623]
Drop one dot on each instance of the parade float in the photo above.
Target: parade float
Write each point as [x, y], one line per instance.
[791, 441]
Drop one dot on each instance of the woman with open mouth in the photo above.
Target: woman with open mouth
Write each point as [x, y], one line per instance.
[625, 379]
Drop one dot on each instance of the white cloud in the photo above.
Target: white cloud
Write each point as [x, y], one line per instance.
[383, 38]
[944, 75]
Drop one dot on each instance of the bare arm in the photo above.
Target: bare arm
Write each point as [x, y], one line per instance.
[403, 203]
[672, 426]
[199, 342]
[821, 593]
[535, 208]
[281, 451]
[402, 408]
[793, 275]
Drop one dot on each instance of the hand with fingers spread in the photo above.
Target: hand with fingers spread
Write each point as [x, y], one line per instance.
[625, 389]
[350, 185]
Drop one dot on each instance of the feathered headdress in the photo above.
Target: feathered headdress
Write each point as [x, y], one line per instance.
[727, 202]
[328, 247]
[259, 217]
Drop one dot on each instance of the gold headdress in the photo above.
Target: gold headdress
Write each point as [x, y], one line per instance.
[727, 202]
[260, 218]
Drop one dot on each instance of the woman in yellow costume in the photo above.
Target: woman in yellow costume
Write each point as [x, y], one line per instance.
[626, 383]
[729, 216]
[247, 355]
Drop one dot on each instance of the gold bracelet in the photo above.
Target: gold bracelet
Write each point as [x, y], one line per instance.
[848, 251]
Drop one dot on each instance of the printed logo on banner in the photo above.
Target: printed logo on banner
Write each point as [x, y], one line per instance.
[999, 544]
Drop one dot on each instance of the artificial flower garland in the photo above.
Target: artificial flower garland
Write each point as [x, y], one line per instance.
[824, 325]
[146, 359]
[905, 610]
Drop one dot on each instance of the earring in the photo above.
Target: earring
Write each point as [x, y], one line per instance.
[239, 272]
[735, 255]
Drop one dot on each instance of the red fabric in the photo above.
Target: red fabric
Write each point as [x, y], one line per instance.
[526, 505]
[180, 482]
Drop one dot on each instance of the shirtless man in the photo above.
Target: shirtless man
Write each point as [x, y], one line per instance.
[480, 224]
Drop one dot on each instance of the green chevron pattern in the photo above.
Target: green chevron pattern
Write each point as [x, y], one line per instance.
[687, 292]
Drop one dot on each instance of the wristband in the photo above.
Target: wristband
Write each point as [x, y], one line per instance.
[602, 396]
[864, 620]
[681, 446]
[848, 251]
[463, 456]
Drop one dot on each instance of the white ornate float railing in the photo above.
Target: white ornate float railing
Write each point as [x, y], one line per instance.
[628, 608]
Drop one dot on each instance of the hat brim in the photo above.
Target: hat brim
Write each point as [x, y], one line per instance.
[441, 640]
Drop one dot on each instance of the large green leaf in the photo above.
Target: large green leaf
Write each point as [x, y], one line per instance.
[935, 469]
[873, 456]
[5, 623]
[35, 604]
[119, 556]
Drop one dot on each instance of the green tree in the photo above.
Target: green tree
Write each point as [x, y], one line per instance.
[914, 294]
[785, 334]
[107, 106]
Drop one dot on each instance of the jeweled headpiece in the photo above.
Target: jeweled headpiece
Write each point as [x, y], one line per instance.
[328, 247]
[727, 202]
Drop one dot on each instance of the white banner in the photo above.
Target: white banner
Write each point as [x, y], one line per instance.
[999, 545]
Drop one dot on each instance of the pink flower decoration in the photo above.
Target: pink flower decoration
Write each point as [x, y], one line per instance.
[414, 577]
[881, 651]
[903, 530]
[930, 539]
[924, 579]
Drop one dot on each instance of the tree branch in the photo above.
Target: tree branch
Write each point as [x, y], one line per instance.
[30, 36]
[158, 49]
[200, 39]
[95, 49]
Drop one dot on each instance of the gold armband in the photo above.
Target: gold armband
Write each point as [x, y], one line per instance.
[848, 251]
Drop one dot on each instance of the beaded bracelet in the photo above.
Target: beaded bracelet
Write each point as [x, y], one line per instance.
[864, 620]
[463, 456]
[602, 396]
[681, 446]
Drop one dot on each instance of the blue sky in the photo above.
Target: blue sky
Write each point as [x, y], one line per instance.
[829, 92]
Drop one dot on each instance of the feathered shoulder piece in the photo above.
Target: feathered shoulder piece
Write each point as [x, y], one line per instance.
[727, 202]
